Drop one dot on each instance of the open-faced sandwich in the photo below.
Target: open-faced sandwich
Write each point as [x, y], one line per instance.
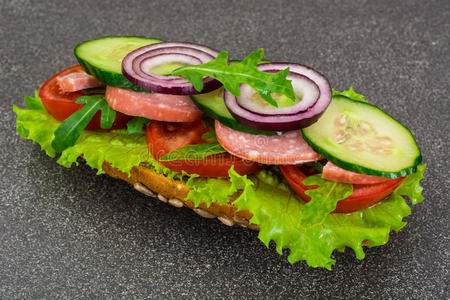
[262, 144]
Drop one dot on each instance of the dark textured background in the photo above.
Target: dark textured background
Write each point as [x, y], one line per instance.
[69, 233]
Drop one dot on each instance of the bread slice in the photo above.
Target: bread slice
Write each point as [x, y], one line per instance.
[174, 192]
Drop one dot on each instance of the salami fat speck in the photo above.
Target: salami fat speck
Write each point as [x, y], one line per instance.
[287, 149]
[154, 106]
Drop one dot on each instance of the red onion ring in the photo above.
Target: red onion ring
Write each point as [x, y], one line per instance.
[301, 84]
[148, 63]
[137, 64]
[287, 119]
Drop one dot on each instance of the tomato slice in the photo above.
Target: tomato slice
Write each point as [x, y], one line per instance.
[363, 196]
[163, 137]
[61, 105]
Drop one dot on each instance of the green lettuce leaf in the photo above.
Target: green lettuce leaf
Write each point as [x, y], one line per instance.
[194, 152]
[233, 75]
[34, 102]
[94, 91]
[411, 188]
[69, 131]
[38, 126]
[137, 125]
[272, 176]
[210, 136]
[160, 169]
[118, 148]
[276, 209]
[350, 93]
[277, 214]
[323, 199]
[209, 190]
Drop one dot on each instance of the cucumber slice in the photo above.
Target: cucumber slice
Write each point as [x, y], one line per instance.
[360, 137]
[103, 57]
[213, 105]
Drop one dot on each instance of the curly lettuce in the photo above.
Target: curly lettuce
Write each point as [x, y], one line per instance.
[277, 211]
[323, 199]
[278, 214]
[116, 147]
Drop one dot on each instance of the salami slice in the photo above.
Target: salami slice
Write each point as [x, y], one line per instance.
[335, 173]
[287, 149]
[77, 81]
[154, 106]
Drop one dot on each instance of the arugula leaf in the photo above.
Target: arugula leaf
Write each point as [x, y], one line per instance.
[232, 75]
[323, 199]
[210, 136]
[94, 91]
[235, 61]
[34, 102]
[208, 122]
[116, 147]
[194, 152]
[350, 93]
[107, 116]
[70, 130]
[136, 125]
[314, 164]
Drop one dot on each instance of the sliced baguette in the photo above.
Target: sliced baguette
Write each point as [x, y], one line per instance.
[174, 192]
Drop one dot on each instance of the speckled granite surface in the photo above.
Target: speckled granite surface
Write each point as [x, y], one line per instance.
[66, 233]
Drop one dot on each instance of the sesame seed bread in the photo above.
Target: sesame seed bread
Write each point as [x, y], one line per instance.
[174, 192]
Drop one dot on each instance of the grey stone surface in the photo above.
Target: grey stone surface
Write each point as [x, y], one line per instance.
[66, 233]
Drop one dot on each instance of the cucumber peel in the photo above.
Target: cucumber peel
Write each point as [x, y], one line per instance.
[103, 57]
[360, 137]
[213, 105]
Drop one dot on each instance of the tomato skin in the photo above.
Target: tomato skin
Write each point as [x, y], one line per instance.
[61, 105]
[363, 196]
[163, 137]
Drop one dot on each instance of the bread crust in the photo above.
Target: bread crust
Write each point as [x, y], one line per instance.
[174, 192]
